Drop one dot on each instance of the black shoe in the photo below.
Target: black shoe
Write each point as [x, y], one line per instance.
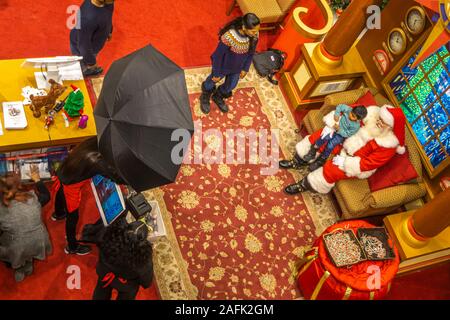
[294, 188]
[320, 161]
[311, 155]
[272, 80]
[89, 72]
[57, 217]
[291, 164]
[80, 250]
[217, 97]
[205, 97]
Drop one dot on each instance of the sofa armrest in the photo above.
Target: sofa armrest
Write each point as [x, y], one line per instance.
[346, 97]
[397, 195]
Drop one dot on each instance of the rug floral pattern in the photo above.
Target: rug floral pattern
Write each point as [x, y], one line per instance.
[232, 232]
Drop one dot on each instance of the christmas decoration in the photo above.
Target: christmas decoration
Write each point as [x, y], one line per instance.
[74, 104]
[340, 5]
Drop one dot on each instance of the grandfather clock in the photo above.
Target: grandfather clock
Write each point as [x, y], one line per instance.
[333, 65]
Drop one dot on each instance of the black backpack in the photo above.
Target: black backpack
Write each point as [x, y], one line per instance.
[268, 63]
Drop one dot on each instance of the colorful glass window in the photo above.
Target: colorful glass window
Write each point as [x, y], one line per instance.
[423, 93]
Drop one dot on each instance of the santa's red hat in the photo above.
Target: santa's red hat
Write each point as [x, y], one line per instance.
[395, 118]
[74, 88]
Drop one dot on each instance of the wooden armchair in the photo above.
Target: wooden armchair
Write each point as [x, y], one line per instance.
[354, 196]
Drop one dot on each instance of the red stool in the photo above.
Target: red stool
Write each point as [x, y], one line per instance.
[320, 279]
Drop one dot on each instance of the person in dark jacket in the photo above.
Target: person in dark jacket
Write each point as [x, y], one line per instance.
[23, 235]
[83, 162]
[125, 261]
[93, 29]
[231, 60]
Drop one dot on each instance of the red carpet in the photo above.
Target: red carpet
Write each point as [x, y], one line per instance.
[186, 31]
[238, 231]
[48, 281]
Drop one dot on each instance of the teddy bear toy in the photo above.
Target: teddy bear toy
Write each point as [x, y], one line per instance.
[47, 102]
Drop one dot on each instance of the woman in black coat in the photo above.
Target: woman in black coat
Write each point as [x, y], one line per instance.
[125, 261]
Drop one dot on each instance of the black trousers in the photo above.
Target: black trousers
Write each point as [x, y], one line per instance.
[60, 203]
[71, 218]
[124, 291]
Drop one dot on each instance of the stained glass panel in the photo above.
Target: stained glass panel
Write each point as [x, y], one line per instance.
[437, 116]
[429, 63]
[435, 153]
[427, 107]
[398, 85]
[443, 51]
[446, 100]
[445, 138]
[422, 130]
[415, 80]
[424, 93]
[411, 109]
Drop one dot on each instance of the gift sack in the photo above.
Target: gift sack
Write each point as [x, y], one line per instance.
[319, 279]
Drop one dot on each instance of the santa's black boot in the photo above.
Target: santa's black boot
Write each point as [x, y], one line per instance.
[301, 186]
[218, 98]
[311, 155]
[205, 97]
[320, 161]
[295, 163]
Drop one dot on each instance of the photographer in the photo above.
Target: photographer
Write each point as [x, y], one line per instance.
[125, 261]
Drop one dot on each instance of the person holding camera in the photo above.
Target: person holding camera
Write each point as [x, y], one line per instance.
[83, 162]
[23, 235]
[125, 261]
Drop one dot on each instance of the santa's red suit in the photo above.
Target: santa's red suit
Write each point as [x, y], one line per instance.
[363, 153]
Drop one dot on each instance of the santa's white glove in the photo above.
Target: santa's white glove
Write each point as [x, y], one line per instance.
[339, 161]
[327, 131]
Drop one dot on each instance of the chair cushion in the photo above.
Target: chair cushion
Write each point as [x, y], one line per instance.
[398, 170]
[366, 100]
[268, 11]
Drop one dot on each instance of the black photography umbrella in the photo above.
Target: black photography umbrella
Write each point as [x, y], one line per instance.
[143, 100]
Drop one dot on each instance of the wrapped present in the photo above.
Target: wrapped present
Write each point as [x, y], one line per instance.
[319, 278]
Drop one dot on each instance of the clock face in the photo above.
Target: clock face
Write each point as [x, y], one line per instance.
[415, 20]
[397, 41]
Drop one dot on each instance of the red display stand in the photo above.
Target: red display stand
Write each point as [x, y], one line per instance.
[320, 279]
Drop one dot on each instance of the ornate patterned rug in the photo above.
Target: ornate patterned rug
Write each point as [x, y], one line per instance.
[231, 232]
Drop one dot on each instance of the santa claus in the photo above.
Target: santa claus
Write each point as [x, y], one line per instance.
[378, 140]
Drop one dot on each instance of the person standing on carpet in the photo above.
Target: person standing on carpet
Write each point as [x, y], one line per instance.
[83, 162]
[125, 261]
[231, 60]
[93, 29]
[24, 236]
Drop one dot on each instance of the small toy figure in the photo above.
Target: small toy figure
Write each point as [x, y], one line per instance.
[47, 101]
[83, 121]
[49, 119]
[74, 104]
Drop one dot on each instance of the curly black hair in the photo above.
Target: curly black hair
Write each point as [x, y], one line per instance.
[126, 246]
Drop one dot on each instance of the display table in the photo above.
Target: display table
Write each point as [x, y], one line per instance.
[320, 279]
[12, 79]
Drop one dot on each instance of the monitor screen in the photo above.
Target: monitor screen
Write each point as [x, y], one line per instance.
[109, 198]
